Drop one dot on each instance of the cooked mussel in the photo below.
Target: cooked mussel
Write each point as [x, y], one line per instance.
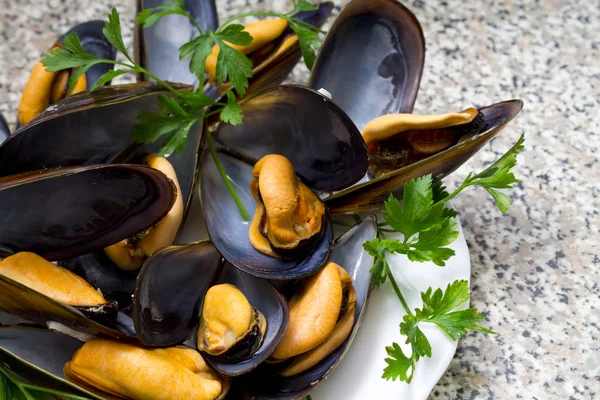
[321, 318]
[321, 328]
[397, 140]
[45, 88]
[229, 325]
[274, 50]
[126, 370]
[321, 143]
[157, 47]
[428, 151]
[242, 317]
[104, 121]
[375, 50]
[58, 284]
[129, 254]
[289, 217]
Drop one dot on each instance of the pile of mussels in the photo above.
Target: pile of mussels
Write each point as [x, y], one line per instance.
[95, 236]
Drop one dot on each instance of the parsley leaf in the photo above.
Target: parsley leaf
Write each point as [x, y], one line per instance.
[309, 43]
[112, 32]
[233, 64]
[303, 5]
[398, 365]
[438, 309]
[198, 49]
[232, 112]
[234, 34]
[71, 56]
[150, 16]
[107, 77]
[499, 176]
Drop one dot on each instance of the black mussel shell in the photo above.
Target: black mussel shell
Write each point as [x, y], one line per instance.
[100, 272]
[66, 212]
[157, 47]
[39, 356]
[170, 290]
[371, 60]
[264, 297]
[92, 128]
[95, 43]
[349, 254]
[4, 129]
[23, 302]
[95, 128]
[279, 68]
[322, 143]
[369, 194]
[229, 232]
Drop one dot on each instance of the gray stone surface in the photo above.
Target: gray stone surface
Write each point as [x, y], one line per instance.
[536, 269]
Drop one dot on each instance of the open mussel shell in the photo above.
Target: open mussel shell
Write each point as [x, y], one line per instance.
[349, 254]
[264, 297]
[39, 356]
[324, 147]
[375, 50]
[95, 43]
[277, 67]
[95, 128]
[169, 292]
[322, 143]
[369, 194]
[100, 272]
[280, 62]
[26, 303]
[229, 232]
[66, 212]
[157, 47]
[37, 94]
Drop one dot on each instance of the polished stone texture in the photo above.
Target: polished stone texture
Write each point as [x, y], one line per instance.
[535, 271]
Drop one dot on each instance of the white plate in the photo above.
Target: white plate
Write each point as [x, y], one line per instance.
[359, 374]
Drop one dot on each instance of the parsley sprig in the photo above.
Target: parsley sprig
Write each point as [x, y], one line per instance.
[427, 227]
[12, 388]
[181, 110]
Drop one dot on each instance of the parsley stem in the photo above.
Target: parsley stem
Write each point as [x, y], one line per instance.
[397, 288]
[269, 14]
[239, 204]
[466, 183]
[25, 388]
[143, 70]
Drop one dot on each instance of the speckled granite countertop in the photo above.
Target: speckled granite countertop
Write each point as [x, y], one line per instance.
[536, 270]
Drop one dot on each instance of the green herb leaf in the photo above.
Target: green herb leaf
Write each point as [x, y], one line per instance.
[304, 5]
[309, 43]
[199, 49]
[112, 32]
[235, 34]
[235, 65]
[170, 106]
[196, 100]
[108, 76]
[150, 16]
[154, 125]
[398, 365]
[431, 242]
[415, 336]
[63, 58]
[175, 142]
[232, 112]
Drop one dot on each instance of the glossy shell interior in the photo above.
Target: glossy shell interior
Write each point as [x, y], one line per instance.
[348, 253]
[369, 194]
[157, 47]
[371, 60]
[84, 208]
